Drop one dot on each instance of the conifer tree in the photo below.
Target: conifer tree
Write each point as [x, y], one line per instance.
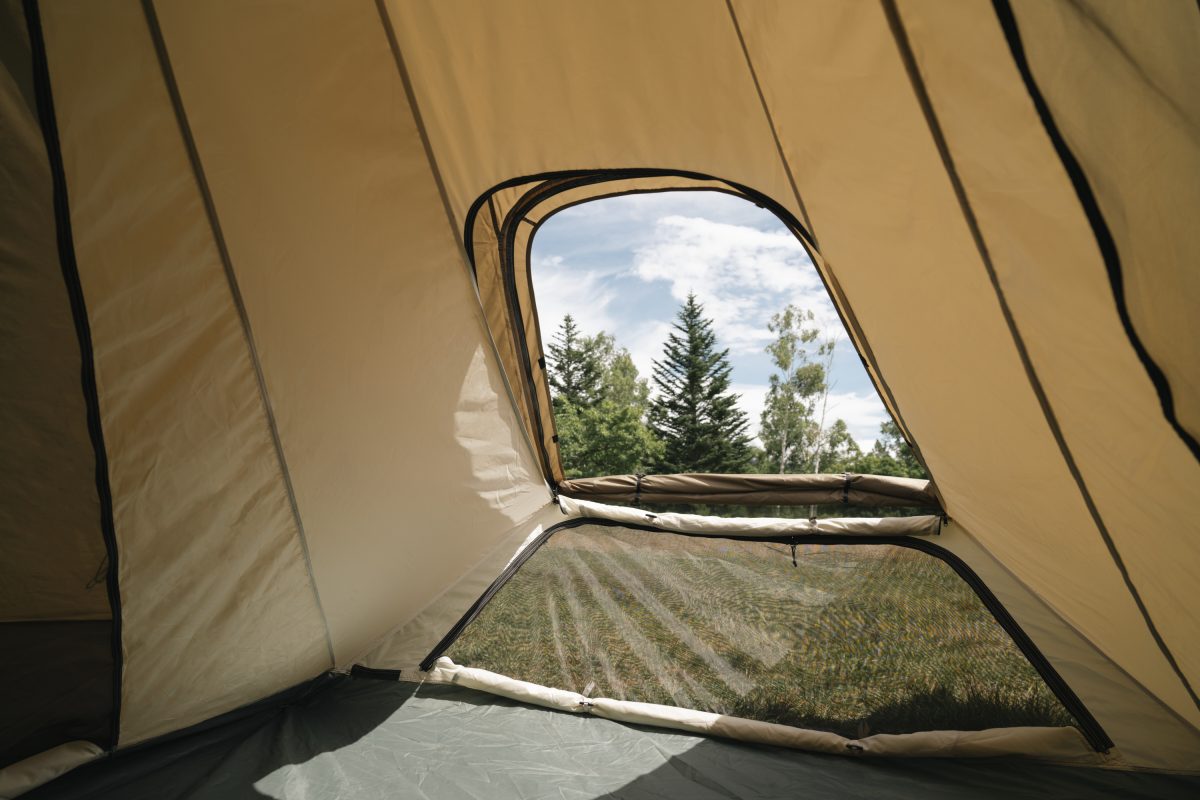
[694, 413]
[576, 367]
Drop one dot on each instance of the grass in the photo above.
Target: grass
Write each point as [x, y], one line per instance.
[855, 639]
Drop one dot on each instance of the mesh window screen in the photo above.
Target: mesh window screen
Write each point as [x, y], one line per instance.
[855, 639]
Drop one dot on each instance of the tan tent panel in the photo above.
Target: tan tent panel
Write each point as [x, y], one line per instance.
[195, 477]
[273, 399]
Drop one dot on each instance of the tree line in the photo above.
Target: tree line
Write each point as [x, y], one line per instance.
[611, 422]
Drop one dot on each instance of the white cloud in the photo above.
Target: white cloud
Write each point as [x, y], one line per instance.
[742, 275]
[559, 292]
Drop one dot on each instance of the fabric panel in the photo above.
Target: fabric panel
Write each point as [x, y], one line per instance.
[1087, 57]
[1146, 732]
[580, 86]
[203, 523]
[970, 407]
[1138, 472]
[406, 456]
[1143, 170]
[407, 645]
[49, 510]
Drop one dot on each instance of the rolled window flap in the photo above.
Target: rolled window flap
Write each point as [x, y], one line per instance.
[23, 776]
[1059, 744]
[754, 527]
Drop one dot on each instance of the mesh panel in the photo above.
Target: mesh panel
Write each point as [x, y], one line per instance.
[855, 639]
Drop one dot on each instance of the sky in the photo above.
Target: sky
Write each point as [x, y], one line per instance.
[625, 264]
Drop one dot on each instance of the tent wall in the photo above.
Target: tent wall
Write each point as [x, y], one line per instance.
[218, 608]
[308, 434]
[887, 215]
[56, 671]
[344, 301]
[400, 437]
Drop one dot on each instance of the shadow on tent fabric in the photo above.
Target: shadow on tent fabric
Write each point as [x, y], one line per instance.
[362, 739]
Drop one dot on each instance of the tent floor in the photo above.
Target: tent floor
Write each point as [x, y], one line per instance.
[362, 739]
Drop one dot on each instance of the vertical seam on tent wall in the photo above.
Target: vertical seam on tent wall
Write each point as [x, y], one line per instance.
[762, 99]
[88, 385]
[210, 208]
[922, 95]
[1091, 209]
[832, 281]
[411, 94]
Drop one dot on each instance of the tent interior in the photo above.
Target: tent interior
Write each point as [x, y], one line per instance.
[282, 508]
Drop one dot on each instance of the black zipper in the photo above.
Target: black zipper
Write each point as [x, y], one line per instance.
[1088, 725]
[70, 270]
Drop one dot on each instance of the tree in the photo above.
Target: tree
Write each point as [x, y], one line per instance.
[605, 439]
[789, 433]
[619, 379]
[575, 368]
[693, 411]
[600, 404]
[841, 452]
[891, 455]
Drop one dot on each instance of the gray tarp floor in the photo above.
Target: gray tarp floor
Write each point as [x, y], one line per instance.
[363, 739]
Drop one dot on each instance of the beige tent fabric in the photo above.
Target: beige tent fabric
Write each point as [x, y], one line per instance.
[521, 88]
[968, 263]
[1146, 732]
[52, 546]
[405, 452]
[970, 408]
[844, 489]
[1094, 384]
[985, 440]
[217, 605]
[407, 645]
[1135, 68]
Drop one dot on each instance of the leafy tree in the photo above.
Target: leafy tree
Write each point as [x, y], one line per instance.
[789, 433]
[891, 455]
[841, 452]
[605, 439]
[693, 412]
[619, 379]
[600, 404]
[575, 366]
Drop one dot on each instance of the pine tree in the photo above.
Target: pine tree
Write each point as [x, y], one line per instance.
[599, 405]
[693, 412]
[575, 367]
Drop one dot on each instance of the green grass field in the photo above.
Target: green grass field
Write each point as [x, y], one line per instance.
[855, 639]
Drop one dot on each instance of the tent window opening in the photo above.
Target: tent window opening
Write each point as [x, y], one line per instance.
[855, 639]
[669, 331]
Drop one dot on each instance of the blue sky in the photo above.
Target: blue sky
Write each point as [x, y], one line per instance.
[624, 265]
